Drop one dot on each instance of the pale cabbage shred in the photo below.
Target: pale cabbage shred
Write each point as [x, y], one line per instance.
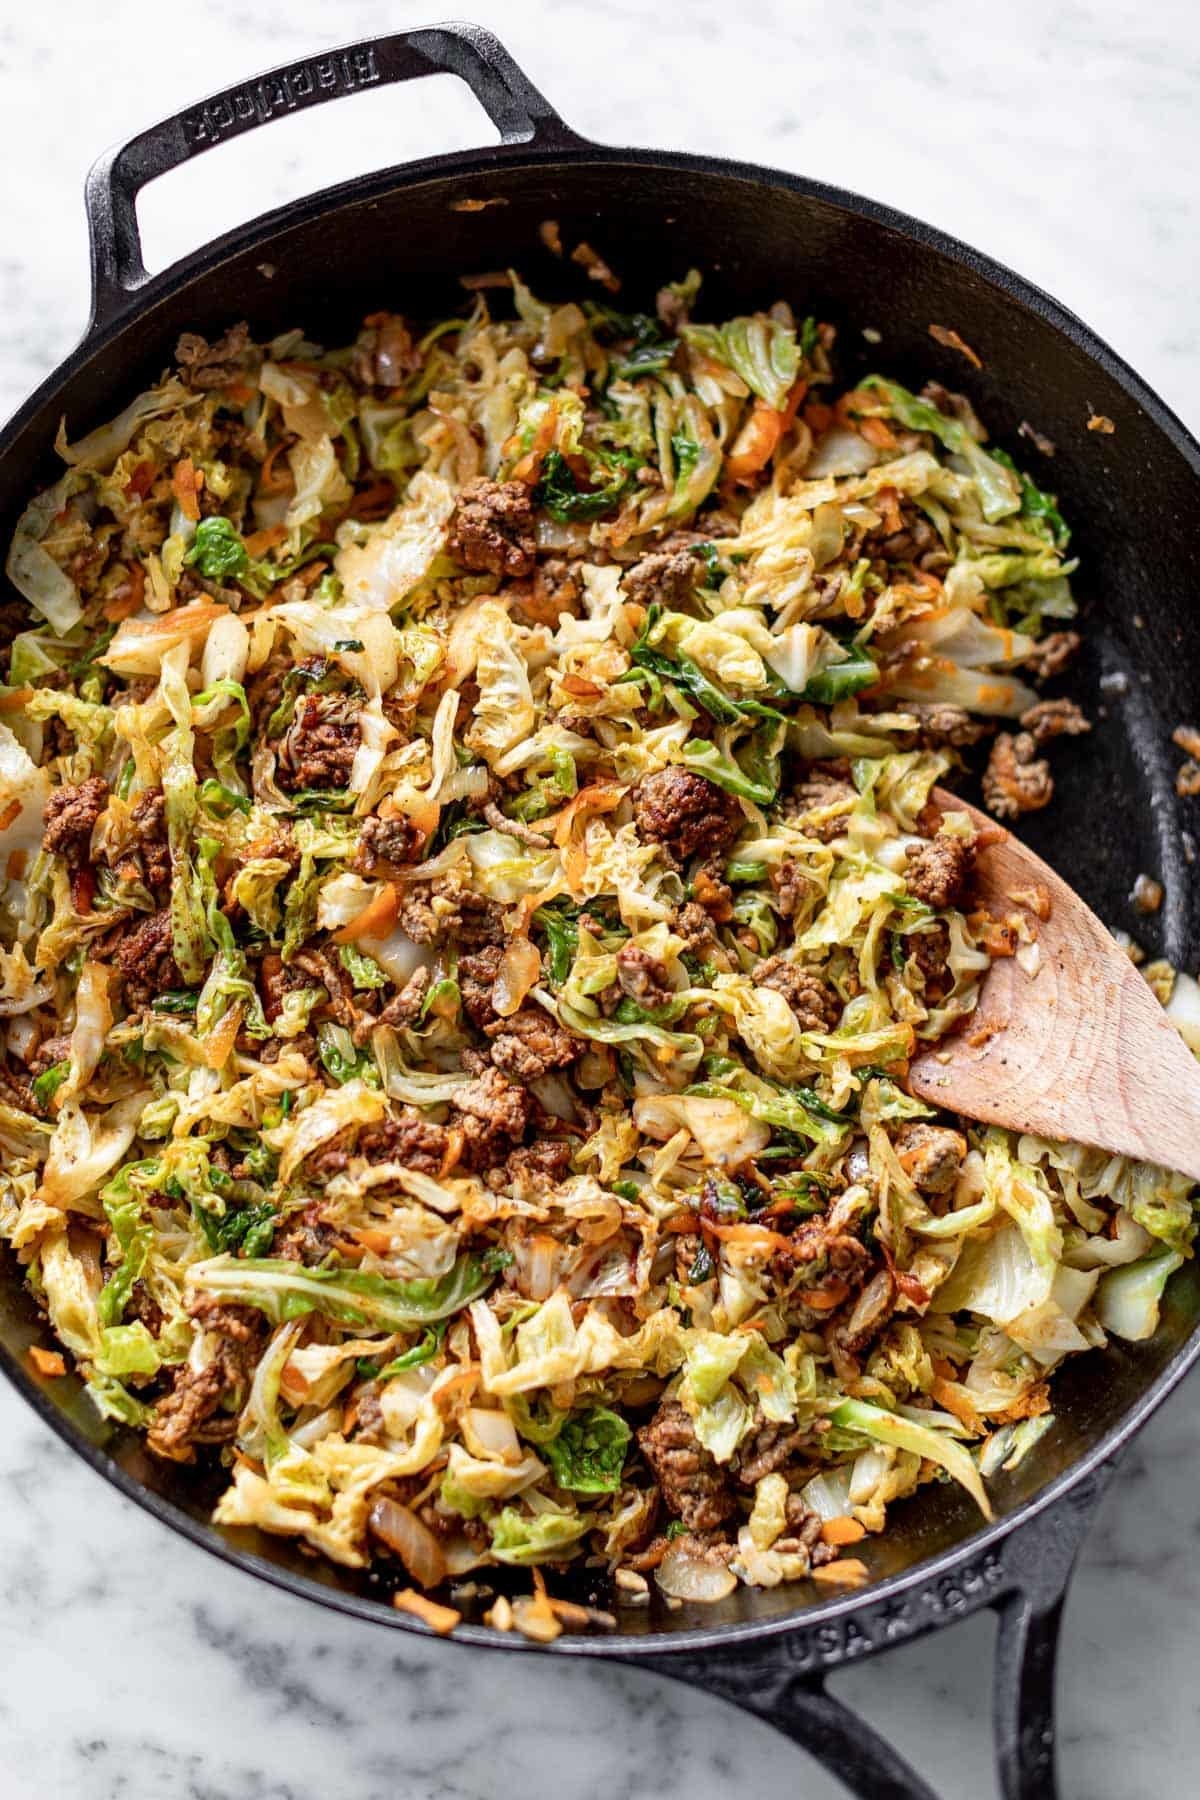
[524, 1314]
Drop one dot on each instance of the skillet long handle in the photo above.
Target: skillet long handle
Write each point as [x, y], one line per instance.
[516, 108]
[1023, 1578]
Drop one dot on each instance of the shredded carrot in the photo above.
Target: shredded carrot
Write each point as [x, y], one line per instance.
[842, 1531]
[441, 1619]
[46, 1362]
[825, 1299]
[755, 443]
[681, 1222]
[142, 480]
[530, 465]
[10, 815]
[220, 1040]
[752, 1237]
[259, 542]
[818, 417]
[597, 797]
[186, 482]
[240, 392]
[847, 1571]
[270, 479]
[375, 919]
[128, 597]
[15, 699]
[17, 862]
[877, 434]
[956, 1400]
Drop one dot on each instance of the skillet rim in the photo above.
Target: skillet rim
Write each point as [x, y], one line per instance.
[559, 147]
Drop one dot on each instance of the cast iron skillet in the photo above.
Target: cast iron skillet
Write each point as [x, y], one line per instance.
[400, 239]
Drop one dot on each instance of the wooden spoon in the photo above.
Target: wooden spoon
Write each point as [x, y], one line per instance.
[1081, 1049]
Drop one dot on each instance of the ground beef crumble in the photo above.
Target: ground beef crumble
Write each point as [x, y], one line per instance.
[492, 528]
[932, 1155]
[666, 576]
[938, 870]
[686, 812]
[530, 1044]
[643, 977]
[319, 746]
[1016, 780]
[146, 960]
[71, 814]
[184, 1418]
[694, 1488]
[812, 999]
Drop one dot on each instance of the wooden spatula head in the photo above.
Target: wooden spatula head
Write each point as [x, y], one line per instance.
[1080, 1049]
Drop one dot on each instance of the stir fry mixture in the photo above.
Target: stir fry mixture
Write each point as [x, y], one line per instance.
[473, 892]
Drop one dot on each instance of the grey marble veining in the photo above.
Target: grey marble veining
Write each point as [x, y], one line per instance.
[1063, 139]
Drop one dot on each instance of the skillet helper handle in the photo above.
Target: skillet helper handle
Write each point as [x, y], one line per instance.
[518, 111]
[1023, 1579]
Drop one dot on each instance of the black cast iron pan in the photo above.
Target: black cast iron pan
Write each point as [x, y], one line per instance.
[401, 239]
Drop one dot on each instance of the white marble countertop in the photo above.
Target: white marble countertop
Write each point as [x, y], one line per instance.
[1064, 140]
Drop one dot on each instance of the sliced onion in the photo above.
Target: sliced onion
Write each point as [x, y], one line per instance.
[685, 1576]
[519, 969]
[413, 1542]
[1183, 1010]
[840, 452]
[490, 1434]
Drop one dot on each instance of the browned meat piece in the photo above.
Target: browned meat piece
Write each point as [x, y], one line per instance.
[693, 1487]
[1053, 718]
[766, 1451]
[145, 1308]
[811, 999]
[693, 925]
[643, 977]
[432, 911]
[819, 806]
[318, 748]
[147, 961]
[915, 539]
[304, 1237]
[531, 1043]
[492, 528]
[1016, 780]
[941, 724]
[1051, 656]
[666, 576]
[476, 978]
[51, 1050]
[938, 870]
[929, 951]
[409, 1138]
[932, 1155]
[402, 1008]
[492, 1114]
[686, 812]
[205, 365]
[184, 1417]
[870, 1313]
[385, 354]
[533, 1168]
[386, 845]
[149, 822]
[793, 887]
[820, 1249]
[276, 980]
[71, 813]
